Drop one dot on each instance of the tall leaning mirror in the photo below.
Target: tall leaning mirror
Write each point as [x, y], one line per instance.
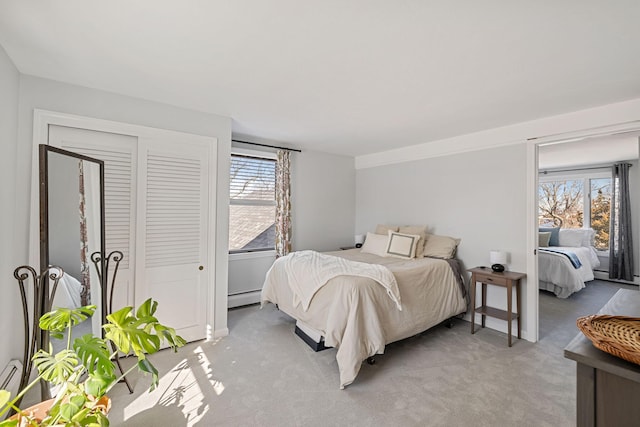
[71, 230]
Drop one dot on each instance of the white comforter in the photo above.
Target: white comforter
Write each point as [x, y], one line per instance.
[308, 271]
[356, 314]
[558, 275]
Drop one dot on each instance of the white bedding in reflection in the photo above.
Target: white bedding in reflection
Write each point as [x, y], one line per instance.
[68, 292]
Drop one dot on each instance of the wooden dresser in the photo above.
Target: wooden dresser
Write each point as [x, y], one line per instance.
[608, 388]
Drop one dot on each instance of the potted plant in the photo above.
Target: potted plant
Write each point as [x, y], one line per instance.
[84, 371]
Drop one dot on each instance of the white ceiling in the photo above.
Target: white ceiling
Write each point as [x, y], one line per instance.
[351, 76]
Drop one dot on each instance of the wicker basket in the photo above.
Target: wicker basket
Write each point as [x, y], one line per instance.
[617, 335]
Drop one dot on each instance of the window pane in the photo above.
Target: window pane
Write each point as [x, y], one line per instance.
[252, 208]
[601, 211]
[252, 227]
[252, 179]
[561, 203]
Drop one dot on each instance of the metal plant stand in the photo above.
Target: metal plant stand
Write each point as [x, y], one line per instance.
[44, 289]
[115, 257]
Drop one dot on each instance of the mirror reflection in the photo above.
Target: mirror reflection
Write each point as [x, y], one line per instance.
[73, 218]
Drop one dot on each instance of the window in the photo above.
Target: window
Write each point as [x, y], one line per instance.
[252, 209]
[577, 202]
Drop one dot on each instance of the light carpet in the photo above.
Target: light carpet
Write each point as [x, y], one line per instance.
[263, 375]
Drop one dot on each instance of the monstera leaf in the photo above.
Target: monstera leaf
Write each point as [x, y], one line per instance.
[56, 368]
[98, 384]
[131, 333]
[60, 319]
[140, 332]
[145, 365]
[169, 334]
[94, 354]
[84, 370]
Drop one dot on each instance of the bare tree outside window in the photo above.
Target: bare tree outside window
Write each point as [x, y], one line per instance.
[561, 204]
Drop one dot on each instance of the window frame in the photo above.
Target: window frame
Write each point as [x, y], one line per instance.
[259, 252]
[585, 177]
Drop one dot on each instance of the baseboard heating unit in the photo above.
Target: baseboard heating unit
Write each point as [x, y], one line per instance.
[10, 377]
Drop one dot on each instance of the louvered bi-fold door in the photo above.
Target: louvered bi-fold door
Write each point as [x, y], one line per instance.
[156, 213]
[172, 234]
[119, 155]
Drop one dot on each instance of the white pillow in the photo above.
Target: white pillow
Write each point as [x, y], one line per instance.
[420, 230]
[589, 237]
[384, 229]
[402, 245]
[440, 246]
[573, 237]
[375, 244]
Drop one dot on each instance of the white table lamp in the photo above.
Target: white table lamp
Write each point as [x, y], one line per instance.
[498, 259]
[359, 240]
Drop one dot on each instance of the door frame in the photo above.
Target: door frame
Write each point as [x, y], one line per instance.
[42, 119]
[533, 145]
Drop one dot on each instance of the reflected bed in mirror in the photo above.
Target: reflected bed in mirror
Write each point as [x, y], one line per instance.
[71, 230]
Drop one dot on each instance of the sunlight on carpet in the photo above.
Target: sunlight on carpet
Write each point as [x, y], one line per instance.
[185, 386]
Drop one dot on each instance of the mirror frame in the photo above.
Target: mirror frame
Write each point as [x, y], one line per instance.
[44, 151]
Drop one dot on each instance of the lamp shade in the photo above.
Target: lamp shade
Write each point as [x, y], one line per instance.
[498, 257]
[359, 239]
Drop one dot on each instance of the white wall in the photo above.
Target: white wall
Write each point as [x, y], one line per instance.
[602, 120]
[323, 210]
[479, 197]
[10, 302]
[323, 197]
[37, 93]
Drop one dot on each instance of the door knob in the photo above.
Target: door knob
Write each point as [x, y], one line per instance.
[201, 268]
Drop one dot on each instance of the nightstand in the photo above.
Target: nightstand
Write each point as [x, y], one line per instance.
[506, 279]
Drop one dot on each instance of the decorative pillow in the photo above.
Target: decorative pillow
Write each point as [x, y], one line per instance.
[375, 244]
[440, 246]
[384, 229]
[573, 237]
[589, 237]
[420, 230]
[402, 245]
[543, 239]
[554, 240]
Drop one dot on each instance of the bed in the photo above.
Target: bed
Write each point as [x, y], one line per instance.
[358, 315]
[566, 264]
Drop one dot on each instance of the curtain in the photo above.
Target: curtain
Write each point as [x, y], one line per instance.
[85, 294]
[621, 240]
[283, 204]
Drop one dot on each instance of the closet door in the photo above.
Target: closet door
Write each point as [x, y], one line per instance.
[119, 155]
[172, 234]
[157, 201]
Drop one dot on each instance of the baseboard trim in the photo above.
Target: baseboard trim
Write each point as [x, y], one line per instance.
[604, 275]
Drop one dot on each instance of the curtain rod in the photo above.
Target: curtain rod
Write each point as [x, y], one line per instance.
[267, 145]
[578, 169]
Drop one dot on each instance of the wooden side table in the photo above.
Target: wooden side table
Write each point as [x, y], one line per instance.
[506, 279]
